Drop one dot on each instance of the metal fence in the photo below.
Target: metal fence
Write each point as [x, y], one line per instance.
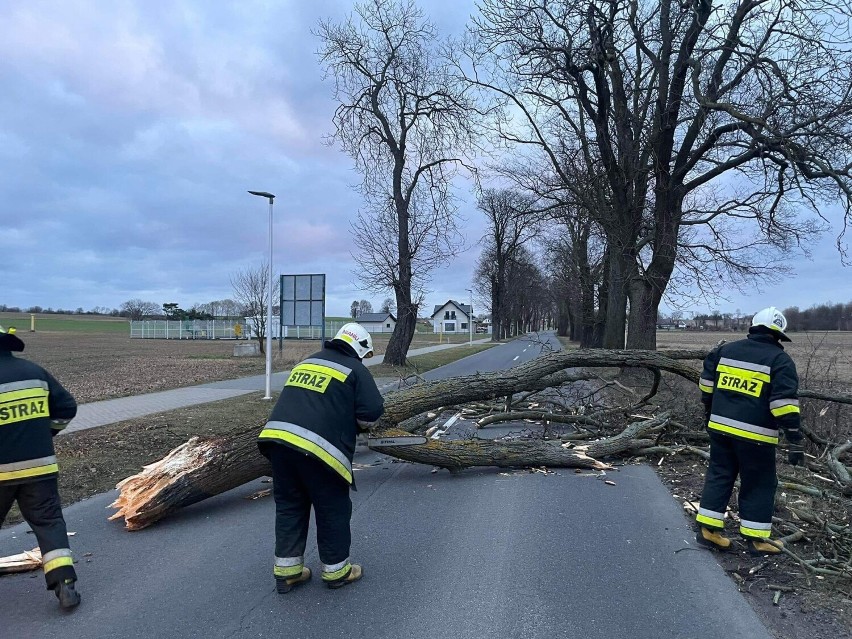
[235, 329]
[223, 329]
[188, 329]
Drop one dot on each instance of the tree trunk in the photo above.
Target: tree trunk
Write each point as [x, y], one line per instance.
[403, 332]
[613, 332]
[497, 305]
[642, 328]
[190, 473]
[456, 455]
[202, 468]
[566, 323]
[646, 289]
[602, 304]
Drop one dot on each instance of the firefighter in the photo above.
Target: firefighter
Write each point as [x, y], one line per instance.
[749, 391]
[310, 440]
[34, 407]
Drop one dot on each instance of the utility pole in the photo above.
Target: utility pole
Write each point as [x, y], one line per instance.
[470, 318]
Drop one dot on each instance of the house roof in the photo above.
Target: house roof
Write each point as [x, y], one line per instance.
[374, 317]
[464, 308]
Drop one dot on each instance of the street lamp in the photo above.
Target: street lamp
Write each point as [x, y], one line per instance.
[268, 395]
[470, 317]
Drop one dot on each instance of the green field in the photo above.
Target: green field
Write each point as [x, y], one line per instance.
[65, 323]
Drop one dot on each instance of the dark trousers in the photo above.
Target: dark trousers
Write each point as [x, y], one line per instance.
[41, 508]
[299, 482]
[755, 464]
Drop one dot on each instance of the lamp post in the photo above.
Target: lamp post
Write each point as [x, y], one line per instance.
[470, 317]
[270, 197]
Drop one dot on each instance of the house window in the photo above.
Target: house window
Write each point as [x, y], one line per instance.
[449, 327]
[446, 315]
[452, 315]
[463, 326]
[387, 325]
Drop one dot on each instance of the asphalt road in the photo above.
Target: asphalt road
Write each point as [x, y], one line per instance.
[479, 554]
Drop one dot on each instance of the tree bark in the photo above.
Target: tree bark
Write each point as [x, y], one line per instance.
[201, 468]
[190, 473]
[613, 329]
[456, 455]
[642, 327]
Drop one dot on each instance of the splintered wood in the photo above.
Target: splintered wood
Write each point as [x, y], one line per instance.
[137, 492]
[22, 562]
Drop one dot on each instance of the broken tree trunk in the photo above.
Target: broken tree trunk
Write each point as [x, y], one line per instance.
[190, 473]
[22, 562]
[202, 468]
[465, 453]
[455, 455]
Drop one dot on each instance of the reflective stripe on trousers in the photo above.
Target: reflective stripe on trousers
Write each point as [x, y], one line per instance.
[336, 571]
[310, 442]
[288, 566]
[56, 559]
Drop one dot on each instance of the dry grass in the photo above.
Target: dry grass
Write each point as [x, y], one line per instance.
[819, 355]
[103, 365]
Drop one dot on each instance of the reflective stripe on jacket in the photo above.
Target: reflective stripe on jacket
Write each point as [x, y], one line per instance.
[33, 408]
[320, 405]
[749, 388]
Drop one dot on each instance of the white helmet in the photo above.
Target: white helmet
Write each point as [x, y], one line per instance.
[772, 319]
[357, 337]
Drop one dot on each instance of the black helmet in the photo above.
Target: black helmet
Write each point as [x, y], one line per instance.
[9, 341]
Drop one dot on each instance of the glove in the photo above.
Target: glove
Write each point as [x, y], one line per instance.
[796, 455]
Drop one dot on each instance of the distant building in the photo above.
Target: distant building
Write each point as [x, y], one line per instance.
[377, 322]
[483, 324]
[451, 317]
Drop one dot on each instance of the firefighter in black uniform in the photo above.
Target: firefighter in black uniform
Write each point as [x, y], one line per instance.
[310, 440]
[749, 390]
[34, 407]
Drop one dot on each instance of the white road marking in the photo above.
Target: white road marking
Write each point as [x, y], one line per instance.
[516, 357]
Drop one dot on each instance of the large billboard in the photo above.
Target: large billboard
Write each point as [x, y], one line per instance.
[303, 300]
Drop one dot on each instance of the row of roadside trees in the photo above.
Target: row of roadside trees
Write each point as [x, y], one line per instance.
[650, 147]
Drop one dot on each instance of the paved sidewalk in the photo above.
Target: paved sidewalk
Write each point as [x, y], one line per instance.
[111, 411]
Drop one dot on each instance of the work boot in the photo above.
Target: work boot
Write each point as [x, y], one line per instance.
[67, 594]
[757, 547]
[354, 575]
[285, 584]
[712, 539]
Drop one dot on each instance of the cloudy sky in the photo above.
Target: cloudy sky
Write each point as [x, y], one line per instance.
[130, 131]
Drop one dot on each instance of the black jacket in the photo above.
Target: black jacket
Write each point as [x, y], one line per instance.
[320, 406]
[33, 408]
[749, 390]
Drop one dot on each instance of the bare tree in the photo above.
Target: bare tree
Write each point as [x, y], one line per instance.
[511, 224]
[220, 308]
[751, 99]
[353, 309]
[577, 263]
[388, 305]
[364, 306]
[525, 301]
[251, 290]
[407, 123]
[137, 309]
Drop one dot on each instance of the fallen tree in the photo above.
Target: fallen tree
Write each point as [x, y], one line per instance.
[204, 467]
